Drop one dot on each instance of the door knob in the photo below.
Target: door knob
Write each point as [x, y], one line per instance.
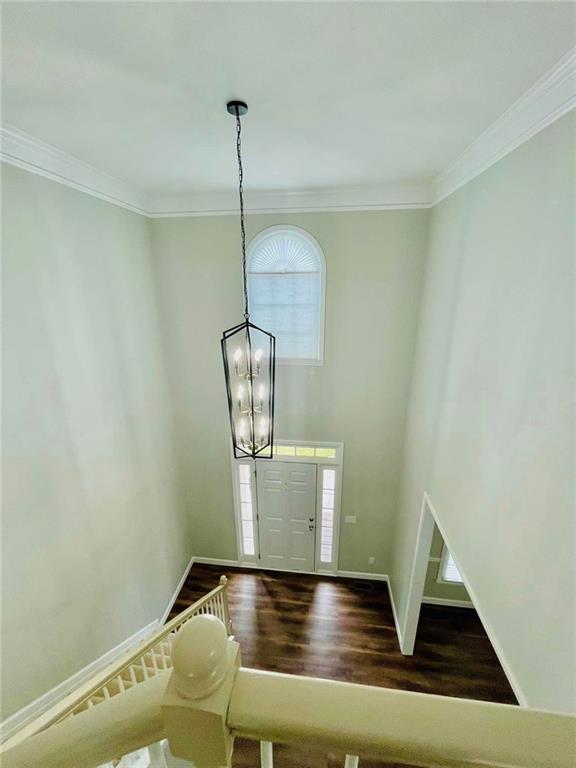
[311, 519]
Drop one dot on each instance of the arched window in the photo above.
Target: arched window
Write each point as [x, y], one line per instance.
[286, 284]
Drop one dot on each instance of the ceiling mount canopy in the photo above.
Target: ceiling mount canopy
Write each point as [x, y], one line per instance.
[237, 108]
[249, 354]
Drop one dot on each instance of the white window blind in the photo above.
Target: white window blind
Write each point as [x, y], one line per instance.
[327, 520]
[286, 292]
[246, 511]
[449, 571]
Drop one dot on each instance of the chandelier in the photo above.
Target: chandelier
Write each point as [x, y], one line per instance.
[249, 356]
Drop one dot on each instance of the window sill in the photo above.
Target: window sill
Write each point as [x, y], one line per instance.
[298, 361]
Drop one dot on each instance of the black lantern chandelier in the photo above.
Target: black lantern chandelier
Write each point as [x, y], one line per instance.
[249, 356]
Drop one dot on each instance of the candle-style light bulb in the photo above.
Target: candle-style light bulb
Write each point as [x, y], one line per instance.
[240, 396]
[237, 358]
[242, 431]
[258, 357]
[261, 391]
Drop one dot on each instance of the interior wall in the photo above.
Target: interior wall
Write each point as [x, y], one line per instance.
[94, 540]
[491, 417]
[96, 521]
[375, 266]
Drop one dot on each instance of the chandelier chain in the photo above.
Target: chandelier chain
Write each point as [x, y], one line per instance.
[241, 195]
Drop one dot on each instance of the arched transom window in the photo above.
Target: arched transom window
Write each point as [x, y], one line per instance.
[286, 283]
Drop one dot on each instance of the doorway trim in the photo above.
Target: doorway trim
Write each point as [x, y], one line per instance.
[335, 461]
[418, 577]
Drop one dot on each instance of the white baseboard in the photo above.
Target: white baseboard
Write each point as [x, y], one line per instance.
[447, 602]
[43, 703]
[362, 575]
[225, 563]
[177, 592]
[252, 566]
[258, 567]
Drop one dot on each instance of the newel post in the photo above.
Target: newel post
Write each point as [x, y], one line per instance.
[205, 661]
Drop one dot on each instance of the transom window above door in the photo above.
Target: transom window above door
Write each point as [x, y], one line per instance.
[286, 289]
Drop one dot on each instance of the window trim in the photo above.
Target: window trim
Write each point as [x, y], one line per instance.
[254, 243]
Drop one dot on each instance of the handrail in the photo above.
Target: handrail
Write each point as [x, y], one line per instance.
[206, 699]
[397, 726]
[98, 735]
[71, 703]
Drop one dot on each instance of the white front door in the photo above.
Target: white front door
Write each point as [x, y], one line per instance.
[287, 514]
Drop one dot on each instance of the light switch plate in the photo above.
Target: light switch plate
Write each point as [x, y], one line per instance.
[349, 518]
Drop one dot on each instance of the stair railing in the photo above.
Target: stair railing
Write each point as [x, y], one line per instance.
[143, 663]
[207, 699]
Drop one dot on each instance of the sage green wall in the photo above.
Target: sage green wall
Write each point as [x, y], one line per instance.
[93, 541]
[375, 264]
[490, 428]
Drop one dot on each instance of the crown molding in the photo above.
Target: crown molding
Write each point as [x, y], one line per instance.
[24, 151]
[320, 201]
[551, 97]
[20, 149]
[547, 100]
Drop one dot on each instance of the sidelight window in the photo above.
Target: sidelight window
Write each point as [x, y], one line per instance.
[246, 509]
[327, 515]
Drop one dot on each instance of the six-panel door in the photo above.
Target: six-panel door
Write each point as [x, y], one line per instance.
[287, 515]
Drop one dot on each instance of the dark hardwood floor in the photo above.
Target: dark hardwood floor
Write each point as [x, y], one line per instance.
[344, 630]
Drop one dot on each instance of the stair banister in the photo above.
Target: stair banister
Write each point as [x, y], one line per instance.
[207, 699]
[112, 729]
[215, 602]
[397, 726]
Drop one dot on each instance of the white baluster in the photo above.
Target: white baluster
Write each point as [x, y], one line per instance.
[266, 754]
[222, 611]
[351, 761]
[157, 755]
[226, 619]
[133, 675]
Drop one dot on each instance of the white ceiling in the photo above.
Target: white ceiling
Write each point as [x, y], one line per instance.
[341, 95]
